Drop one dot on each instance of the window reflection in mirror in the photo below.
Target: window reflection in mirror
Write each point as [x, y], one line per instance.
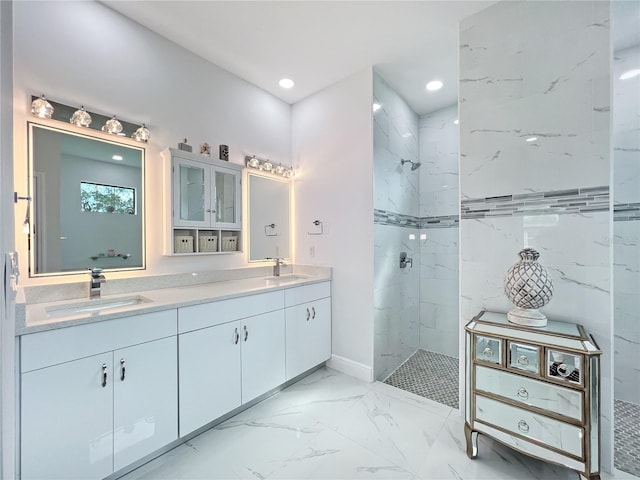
[87, 202]
[269, 217]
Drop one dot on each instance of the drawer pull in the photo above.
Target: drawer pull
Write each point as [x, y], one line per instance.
[122, 369]
[522, 393]
[487, 353]
[523, 426]
[523, 360]
[563, 370]
[104, 375]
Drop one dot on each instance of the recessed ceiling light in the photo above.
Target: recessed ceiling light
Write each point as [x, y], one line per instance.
[434, 85]
[531, 139]
[286, 83]
[117, 157]
[376, 107]
[630, 74]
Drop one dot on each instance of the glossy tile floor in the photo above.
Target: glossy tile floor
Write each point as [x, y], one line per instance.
[332, 426]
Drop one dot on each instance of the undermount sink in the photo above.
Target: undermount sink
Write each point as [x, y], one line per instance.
[287, 278]
[94, 306]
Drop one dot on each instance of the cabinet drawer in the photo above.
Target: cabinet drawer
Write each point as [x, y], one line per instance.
[306, 293]
[524, 357]
[210, 314]
[43, 349]
[528, 391]
[550, 432]
[488, 349]
[564, 366]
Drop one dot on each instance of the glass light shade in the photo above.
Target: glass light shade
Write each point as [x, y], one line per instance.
[41, 108]
[279, 170]
[254, 162]
[142, 134]
[267, 165]
[81, 118]
[113, 126]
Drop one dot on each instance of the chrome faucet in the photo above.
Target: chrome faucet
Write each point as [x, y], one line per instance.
[97, 278]
[276, 266]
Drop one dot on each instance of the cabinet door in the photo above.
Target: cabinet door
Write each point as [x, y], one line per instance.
[263, 354]
[226, 194]
[210, 374]
[308, 336]
[67, 420]
[191, 194]
[145, 413]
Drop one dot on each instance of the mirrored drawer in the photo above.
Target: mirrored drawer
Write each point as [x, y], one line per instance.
[554, 398]
[489, 349]
[550, 432]
[524, 357]
[564, 366]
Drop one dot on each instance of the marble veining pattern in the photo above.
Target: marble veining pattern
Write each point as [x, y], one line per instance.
[331, 426]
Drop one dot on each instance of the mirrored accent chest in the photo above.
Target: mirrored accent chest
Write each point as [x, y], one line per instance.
[534, 389]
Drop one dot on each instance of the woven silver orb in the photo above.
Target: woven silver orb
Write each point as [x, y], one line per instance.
[529, 287]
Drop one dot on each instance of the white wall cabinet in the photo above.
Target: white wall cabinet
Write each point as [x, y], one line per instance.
[206, 206]
[89, 416]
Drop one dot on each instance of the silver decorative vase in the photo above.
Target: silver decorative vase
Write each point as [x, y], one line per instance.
[528, 286]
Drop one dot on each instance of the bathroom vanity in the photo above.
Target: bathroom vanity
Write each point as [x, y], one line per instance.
[105, 385]
[536, 390]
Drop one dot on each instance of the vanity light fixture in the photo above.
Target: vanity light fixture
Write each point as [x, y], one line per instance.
[142, 134]
[434, 85]
[41, 108]
[112, 126]
[80, 118]
[286, 83]
[267, 166]
[630, 74]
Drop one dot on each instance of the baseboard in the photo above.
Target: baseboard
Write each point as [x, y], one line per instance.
[349, 367]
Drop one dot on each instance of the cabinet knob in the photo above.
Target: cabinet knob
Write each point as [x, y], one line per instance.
[522, 393]
[523, 426]
[523, 360]
[104, 375]
[563, 370]
[122, 369]
[487, 353]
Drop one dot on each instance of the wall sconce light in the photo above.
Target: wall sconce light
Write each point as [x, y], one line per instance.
[81, 118]
[41, 108]
[112, 126]
[267, 166]
[142, 134]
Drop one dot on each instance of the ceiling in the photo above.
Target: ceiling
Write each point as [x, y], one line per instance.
[317, 43]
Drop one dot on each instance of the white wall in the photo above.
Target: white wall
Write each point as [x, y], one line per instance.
[85, 53]
[7, 317]
[332, 147]
[539, 69]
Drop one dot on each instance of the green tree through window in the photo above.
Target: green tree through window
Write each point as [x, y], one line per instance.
[107, 198]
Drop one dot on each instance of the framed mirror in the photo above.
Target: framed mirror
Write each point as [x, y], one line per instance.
[269, 217]
[87, 202]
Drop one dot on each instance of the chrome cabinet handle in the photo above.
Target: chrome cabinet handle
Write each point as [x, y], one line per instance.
[122, 369]
[487, 352]
[523, 360]
[208, 210]
[522, 393]
[308, 314]
[246, 333]
[563, 370]
[237, 337]
[313, 310]
[523, 426]
[104, 375]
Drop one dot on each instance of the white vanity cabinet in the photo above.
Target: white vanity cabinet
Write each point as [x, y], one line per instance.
[231, 352]
[308, 326]
[535, 389]
[205, 210]
[97, 397]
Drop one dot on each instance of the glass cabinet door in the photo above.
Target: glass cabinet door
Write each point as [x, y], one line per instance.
[191, 195]
[227, 198]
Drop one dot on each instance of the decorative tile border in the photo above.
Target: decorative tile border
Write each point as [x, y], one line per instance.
[624, 212]
[385, 217]
[557, 202]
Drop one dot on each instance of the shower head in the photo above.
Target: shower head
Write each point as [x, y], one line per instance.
[414, 165]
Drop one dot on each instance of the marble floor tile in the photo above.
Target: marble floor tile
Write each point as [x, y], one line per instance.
[331, 426]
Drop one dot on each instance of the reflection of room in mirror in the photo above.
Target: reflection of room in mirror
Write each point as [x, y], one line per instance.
[269, 210]
[87, 202]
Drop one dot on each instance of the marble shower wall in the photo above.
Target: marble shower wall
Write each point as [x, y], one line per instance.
[539, 71]
[626, 226]
[396, 207]
[439, 252]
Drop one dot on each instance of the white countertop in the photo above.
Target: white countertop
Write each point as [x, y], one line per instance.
[32, 318]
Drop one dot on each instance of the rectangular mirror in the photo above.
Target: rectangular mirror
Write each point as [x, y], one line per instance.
[87, 207]
[269, 217]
